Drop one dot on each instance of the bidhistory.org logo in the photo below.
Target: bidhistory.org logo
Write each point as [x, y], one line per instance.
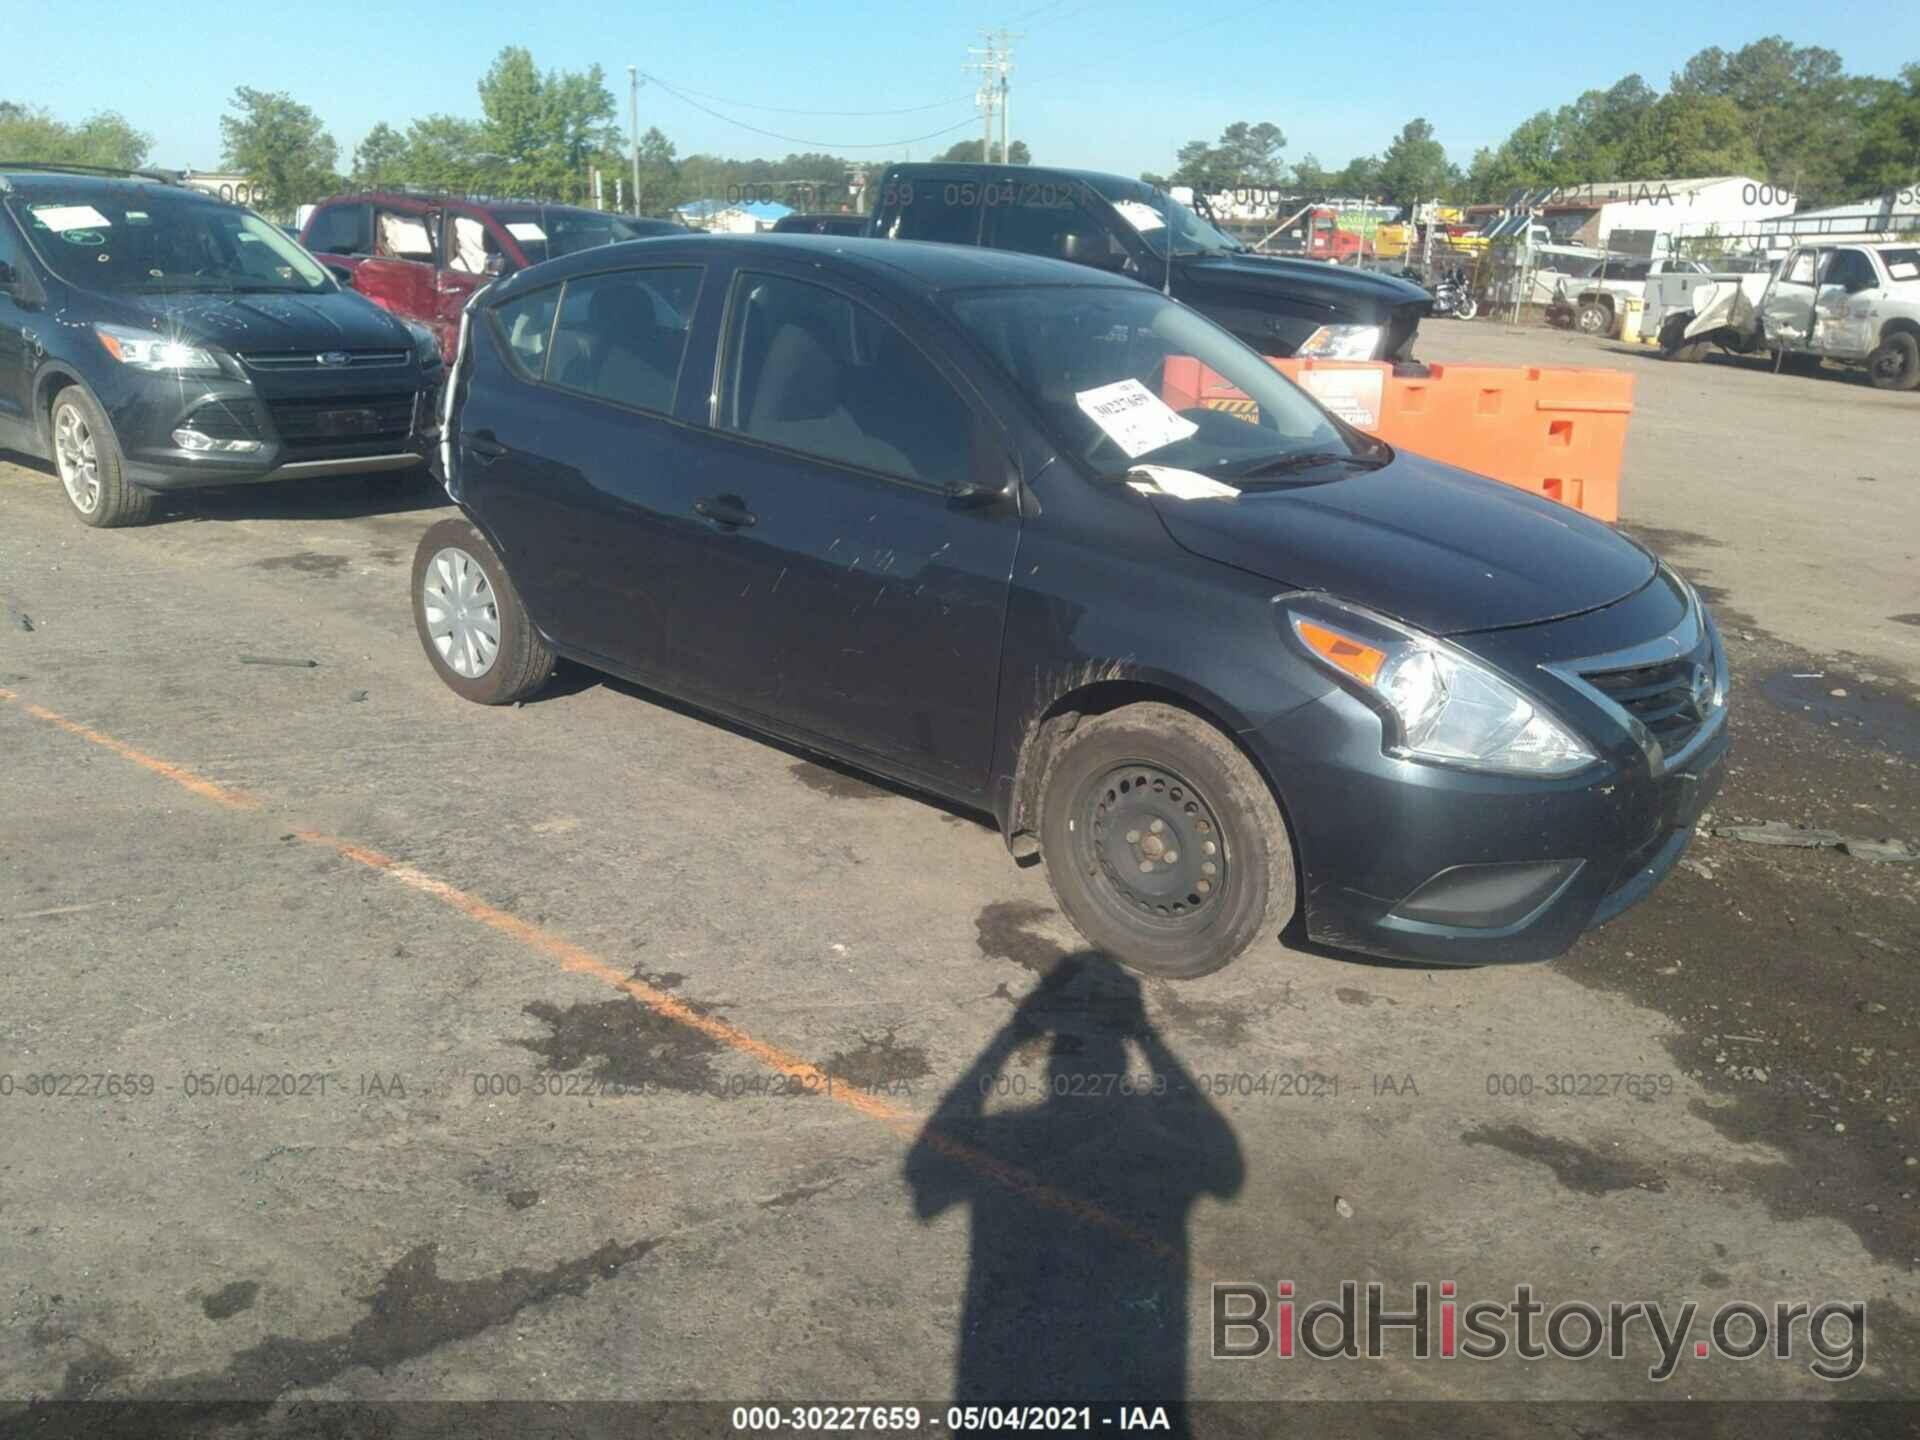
[1248, 1324]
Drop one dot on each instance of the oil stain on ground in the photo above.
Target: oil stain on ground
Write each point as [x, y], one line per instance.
[230, 1300]
[878, 1064]
[825, 781]
[1006, 932]
[307, 562]
[1576, 1167]
[622, 1043]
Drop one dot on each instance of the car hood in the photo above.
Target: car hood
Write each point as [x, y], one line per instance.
[1335, 284]
[334, 320]
[1441, 549]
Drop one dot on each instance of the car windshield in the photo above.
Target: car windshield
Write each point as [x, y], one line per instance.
[546, 232]
[156, 240]
[1901, 264]
[1163, 221]
[1123, 377]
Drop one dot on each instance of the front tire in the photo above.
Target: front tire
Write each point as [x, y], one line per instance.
[86, 453]
[1895, 363]
[470, 620]
[1466, 308]
[1164, 845]
[1593, 318]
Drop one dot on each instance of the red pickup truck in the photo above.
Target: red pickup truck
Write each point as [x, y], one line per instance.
[423, 256]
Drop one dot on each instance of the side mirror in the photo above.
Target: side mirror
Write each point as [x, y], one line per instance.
[342, 274]
[495, 265]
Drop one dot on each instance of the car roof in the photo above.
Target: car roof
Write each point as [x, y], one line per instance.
[44, 184]
[912, 265]
[491, 205]
[1094, 178]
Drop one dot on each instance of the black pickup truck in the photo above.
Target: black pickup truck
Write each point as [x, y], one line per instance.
[1278, 306]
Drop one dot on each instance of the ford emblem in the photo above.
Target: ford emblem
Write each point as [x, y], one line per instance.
[335, 357]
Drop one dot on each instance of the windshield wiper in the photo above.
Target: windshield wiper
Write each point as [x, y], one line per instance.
[1309, 459]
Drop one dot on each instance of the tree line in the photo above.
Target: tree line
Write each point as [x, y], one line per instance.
[1784, 114]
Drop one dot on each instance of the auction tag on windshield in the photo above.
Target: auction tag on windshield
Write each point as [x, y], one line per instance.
[1140, 215]
[1903, 270]
[61, 218]
[525, 230]
[1135, 419]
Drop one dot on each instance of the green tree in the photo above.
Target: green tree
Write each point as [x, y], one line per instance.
[1415, 167]
[660, 182]
[1801, 110]
[1689, 136]
[548, 127]
[1888, 157]
[104, 138]
[967, 152]
[1310, 177]
[1246, 155]
[274, 140]
[381, 158]
[449, 152]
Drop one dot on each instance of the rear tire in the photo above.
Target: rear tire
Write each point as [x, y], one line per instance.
[1895, 363]
[1466, 308]
[1593, 318]
[86, 454]
[470, 620]
[1163, 844]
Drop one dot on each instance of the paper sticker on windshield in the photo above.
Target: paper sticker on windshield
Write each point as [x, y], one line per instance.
[1140, 215]
[525, 230]
[61, 218]
[1135, 419]
[1904, 270]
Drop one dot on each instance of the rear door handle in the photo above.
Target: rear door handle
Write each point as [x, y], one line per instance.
[483, 445]
[727, 511]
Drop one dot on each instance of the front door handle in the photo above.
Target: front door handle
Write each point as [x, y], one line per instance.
[729, 512]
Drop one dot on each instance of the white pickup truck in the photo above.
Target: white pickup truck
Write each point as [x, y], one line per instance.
[1853, 304]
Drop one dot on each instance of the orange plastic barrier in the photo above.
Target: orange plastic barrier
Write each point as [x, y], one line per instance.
[1561, 432]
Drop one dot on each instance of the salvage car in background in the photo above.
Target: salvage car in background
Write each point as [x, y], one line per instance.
[154, 337]
[1853, 304]
[922, 508]
[424, 256]
[1278, 306]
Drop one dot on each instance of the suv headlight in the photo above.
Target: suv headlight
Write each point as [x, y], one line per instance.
[426, 345]
[1342, 342]
[1441, 704]
[149, 350]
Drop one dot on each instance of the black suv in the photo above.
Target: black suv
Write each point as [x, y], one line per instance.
[1278, 306]
[153, 337]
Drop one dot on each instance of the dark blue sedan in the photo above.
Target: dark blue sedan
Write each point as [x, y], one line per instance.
[924, 509]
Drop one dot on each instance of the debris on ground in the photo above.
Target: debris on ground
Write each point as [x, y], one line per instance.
[279, 660]
[1779, 832]
[356, 696]
[1342, 1207]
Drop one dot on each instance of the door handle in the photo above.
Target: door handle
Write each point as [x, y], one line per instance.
[729, 512]
[483, 445]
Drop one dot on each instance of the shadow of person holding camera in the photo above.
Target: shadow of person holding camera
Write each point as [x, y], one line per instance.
[1079, 1182]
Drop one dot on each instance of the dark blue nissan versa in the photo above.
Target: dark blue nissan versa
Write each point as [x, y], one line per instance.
[923, 508]
[155, 338]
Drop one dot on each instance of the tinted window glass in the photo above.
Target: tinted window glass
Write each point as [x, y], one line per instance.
[931, 210]
[526, 324]
[1852, 271]
[341, 230]
[1043, 219]
[814, 371]
[547, 232]
[621, 336]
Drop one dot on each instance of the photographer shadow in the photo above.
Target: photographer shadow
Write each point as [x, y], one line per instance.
[1080, 1181]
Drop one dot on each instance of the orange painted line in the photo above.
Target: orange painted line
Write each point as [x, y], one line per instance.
[233, 799]
[576, 959]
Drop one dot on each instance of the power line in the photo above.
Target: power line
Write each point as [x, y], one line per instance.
[800, 139]
[787, 110]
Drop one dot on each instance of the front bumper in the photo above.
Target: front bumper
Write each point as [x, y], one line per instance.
[353, 426]
[1416, 861]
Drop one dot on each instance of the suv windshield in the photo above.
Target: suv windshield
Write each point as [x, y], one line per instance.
[1121, 376]
[1163, 220]
[546, 232]
[157, 240]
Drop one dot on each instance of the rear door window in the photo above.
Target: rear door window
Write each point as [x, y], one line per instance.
[621, 336]
[341, 230]
[943, 210]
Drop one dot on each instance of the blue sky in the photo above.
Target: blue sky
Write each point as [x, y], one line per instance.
[1107, 84]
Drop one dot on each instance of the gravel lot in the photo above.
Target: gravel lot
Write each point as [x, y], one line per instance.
[486, 1053]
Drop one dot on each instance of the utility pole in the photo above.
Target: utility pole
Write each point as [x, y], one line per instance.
[986, 97]
[1005, 64]
[633, 121]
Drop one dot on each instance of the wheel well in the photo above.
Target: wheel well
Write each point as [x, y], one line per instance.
[1900, 325]
[50, 385]
[1065, 712]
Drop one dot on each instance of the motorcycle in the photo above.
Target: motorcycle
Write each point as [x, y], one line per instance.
[1453, 298]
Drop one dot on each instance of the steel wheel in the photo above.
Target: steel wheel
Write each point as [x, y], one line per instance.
[77, 458]
[463, 618]
[1151, 845]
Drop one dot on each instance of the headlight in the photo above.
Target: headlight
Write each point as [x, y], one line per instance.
[426, 345]
[146, 350]
[1444, 705]
[1342, 342]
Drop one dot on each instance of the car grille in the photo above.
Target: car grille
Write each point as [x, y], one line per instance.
[309, 360]
[343, 422]
[1664, 696]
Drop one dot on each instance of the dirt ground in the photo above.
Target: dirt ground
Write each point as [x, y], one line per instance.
[358, 1044]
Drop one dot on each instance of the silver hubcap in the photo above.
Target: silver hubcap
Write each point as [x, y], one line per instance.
[77, 459]
[463, 618]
